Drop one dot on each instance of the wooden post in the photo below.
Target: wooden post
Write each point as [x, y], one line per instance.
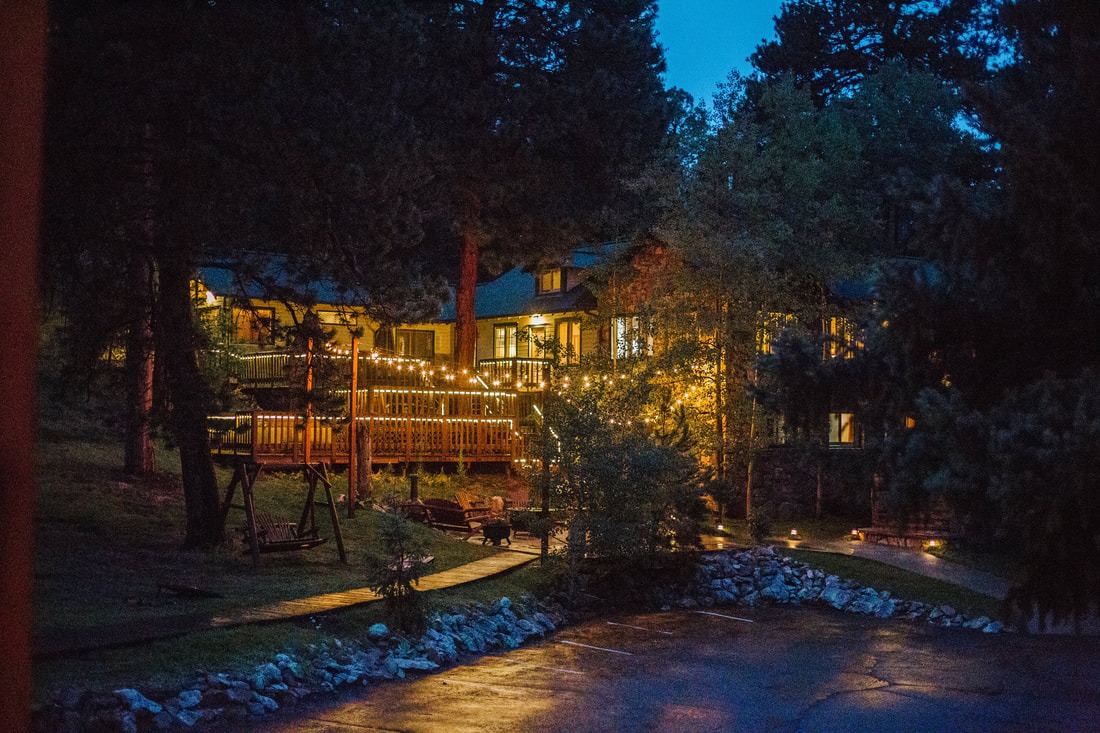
[307, 447]
[255, 433]
[247, 480]
[353, 435]
[367, 476]
[333, 516]
[817, 497]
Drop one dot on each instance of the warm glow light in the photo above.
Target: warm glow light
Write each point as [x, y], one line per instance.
[794, 534]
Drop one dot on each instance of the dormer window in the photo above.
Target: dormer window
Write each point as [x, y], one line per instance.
[548, 281]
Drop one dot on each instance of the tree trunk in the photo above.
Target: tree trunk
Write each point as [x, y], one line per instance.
[139, 456]
[364, 487]
[465, 304]
[178, 345]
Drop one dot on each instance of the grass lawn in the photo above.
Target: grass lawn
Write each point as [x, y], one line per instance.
[901, 583]
[104, 543]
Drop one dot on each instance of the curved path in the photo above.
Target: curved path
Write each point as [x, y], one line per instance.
[912, 560]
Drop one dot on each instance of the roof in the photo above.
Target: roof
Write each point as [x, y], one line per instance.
[225, 281]
[513, 294]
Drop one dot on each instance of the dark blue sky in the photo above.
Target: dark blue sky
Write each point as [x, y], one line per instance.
[705, 39]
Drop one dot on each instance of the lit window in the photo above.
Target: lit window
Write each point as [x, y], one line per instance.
[548, 282]
[841, 338]
[569, 341]
[253, 325]
[536, 341]
[842, 429]
[628, 338]
[407, 342]
[504, 341]
[770, 329]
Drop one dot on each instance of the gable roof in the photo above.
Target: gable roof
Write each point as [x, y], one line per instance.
[513, 294]
[222, 280]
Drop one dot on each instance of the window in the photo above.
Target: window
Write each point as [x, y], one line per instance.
[569, 340]
[842, 429]
[841, 338]
[548, 282]
[254, 326]
[407, 342]
[770, 329]
[536, 337]
[504, 341]
[630, 338]
[338, 318]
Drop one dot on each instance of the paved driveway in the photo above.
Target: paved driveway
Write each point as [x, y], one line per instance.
[779, 669]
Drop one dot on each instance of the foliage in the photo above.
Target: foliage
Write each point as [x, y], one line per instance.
[1042, 449]
[394, 570]
[830, 46]
[760, 527]
[629, 495]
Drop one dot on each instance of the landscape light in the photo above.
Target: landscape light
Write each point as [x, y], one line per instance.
[794, 534]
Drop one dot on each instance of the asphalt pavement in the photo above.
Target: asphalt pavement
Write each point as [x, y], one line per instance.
[759, 669]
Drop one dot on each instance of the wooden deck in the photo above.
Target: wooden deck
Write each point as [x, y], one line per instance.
[400, 425]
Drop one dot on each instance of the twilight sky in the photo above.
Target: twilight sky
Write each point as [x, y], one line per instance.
[705, 39]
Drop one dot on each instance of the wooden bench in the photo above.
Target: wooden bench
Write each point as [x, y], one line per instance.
[902, 537]
[275, 534]
[449, 515]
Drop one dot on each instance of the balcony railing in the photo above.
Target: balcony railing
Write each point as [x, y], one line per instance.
[520, 373]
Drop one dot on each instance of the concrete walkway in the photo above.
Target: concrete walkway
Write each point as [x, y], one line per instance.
[912, 560]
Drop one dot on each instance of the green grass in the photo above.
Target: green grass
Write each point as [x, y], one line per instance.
[173, 662]
[900, 583]
[809, 530]
[104, 543]
[1001, 563]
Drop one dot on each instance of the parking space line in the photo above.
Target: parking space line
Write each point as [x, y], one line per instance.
[722, 615]
[598, 648]
[640, 628]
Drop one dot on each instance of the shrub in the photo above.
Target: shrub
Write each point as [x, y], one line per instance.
[392, 572]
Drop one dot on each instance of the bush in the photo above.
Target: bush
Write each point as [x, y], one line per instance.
[759, 527]
[392, 572]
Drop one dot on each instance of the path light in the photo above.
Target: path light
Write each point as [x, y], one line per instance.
[794, 535]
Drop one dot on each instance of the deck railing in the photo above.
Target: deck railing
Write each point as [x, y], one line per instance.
[402, 425]
[521, 373]
[270, 369]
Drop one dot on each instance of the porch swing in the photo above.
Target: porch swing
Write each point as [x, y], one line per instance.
[265, 533]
